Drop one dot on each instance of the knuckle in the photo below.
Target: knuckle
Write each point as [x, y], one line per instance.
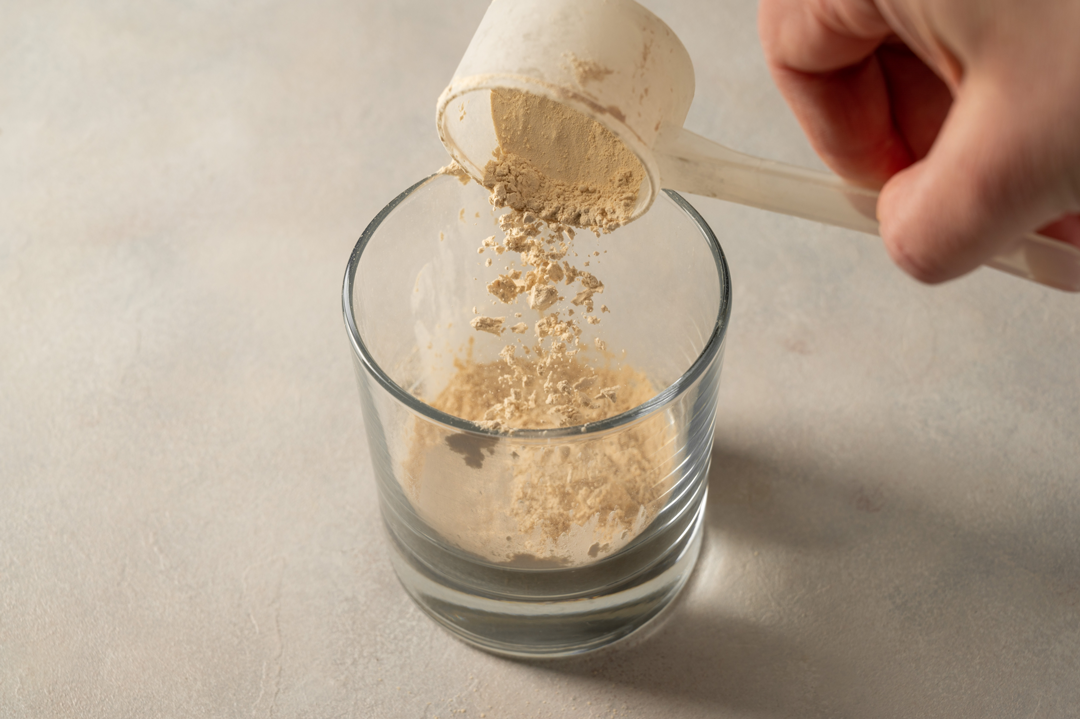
[924, 266]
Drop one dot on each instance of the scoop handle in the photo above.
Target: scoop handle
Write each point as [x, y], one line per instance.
[694, 164]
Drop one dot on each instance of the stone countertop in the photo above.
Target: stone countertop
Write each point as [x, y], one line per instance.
[188, 519]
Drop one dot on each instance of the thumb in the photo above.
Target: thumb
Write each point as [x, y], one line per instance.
[984, 184]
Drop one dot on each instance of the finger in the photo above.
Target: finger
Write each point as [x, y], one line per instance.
[1066, 228]
[918, 98]
[822, 58]
[821, 36]
[977, 191]
[847, 117]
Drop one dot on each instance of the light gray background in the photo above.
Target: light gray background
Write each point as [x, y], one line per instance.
[188, 522]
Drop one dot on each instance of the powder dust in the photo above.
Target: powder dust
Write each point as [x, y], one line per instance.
[586, 71]
[556, 502]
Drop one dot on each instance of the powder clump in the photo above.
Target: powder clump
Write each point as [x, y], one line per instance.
[454, 170]
[494, 325]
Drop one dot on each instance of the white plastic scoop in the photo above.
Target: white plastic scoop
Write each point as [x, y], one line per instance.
[619, 64]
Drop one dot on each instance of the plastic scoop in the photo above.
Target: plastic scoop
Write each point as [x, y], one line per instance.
[617, 63]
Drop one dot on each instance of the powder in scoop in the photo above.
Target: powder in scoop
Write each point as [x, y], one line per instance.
[560, 165]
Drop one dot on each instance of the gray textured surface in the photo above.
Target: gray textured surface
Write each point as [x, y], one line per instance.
[187, 515]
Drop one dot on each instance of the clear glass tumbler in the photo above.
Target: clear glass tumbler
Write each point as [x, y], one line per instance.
[492, 534]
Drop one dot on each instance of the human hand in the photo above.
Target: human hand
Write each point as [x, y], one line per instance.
[966, 113]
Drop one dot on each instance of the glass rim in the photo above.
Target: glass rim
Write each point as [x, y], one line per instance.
[658, 401]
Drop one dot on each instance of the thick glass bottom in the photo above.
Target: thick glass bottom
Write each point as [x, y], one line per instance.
[557, 612]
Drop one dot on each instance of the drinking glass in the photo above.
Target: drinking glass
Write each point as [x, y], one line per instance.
[492, 533]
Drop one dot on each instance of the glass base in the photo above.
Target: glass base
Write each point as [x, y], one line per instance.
[521, 613]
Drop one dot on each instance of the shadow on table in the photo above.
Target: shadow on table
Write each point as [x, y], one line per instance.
[703, 652]
[819, 594]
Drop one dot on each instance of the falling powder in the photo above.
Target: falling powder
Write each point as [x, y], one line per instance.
[567, 503]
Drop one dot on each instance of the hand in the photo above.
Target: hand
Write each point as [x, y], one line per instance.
[966, 113]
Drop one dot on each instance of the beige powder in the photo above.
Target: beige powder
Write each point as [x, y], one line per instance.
[555, 170]
[559, 164]
[529, 503]
[563, 503]
[455, 170]
[494, 325]
[512, 391]
[570, 503]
